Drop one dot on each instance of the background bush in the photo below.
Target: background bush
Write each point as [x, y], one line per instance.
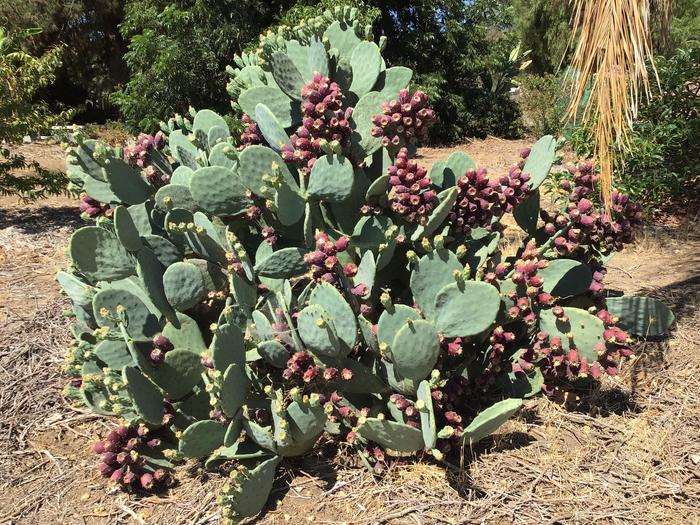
[661, 163]
[22, 76]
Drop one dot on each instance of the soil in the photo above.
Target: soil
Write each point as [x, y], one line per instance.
[627, 453]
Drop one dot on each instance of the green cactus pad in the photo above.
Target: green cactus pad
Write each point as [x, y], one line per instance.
[527, 212]
[262, 436]
[281, 106]
[367, 334]
[175, 196]
[184, 285]
[82, 156]
[150, 272]
[185, 334]
[256, 162]
[218, 135]
[100, 191]
[641, 316]
[140, 323]
[415, 349]
[286, 75]
[254, 489]
[320, 339]
[366, 273]
[165, 251]
[478, 251]
[145, 396]
[78, 291]
[233, 432]
[366, 62]
[98, 254]
[490, 420]
[317, 58]
[340, 312]
[392, 80]
[205, 120]
[290, 204]
[380, 186]
[363, 381]
[224, 155]
[126, 230]
[431, 274]
[437, 217]
[234, 389]
[331, 179]
[219, 191]
[522, 385]
[274, 353]
[126, 182]
[228, 347]
[586, 329]
[306, 421]
[565, 277]
[271, 128]
[540, 161]
[283, 264]
[299, 54]
[466, 309]
[182, 149]
[392, 435]
[177, 375]
[113, 354]
[446, 173]
[427, 415]
[342, 37]
[392, 320]
[364, 143]
[201, 439]
[141, 215]
[196, 407]
[403, 385]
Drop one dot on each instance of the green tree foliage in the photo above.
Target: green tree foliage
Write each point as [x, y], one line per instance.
[21, 76]
[178, 52]
[92, 61]
[543, 27]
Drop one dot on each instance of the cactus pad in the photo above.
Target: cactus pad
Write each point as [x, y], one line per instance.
[466, 309]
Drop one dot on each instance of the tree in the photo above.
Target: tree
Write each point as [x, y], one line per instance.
[21, 76]
[178, 52]
[92, 61]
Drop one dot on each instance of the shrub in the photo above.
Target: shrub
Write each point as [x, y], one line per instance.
[23, 75]
[237, 302]
[660, 164]
[543, 103]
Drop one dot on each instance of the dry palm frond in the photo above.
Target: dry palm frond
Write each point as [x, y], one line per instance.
[612, 44]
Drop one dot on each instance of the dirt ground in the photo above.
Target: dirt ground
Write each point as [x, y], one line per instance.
[628, 453]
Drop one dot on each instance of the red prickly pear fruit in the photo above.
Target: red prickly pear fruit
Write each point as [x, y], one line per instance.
[117, 475]
[342, 243]
[113, 437]
[129, 477]
[147, 481]
[110, 458]
[106, 470]
[346, 374]
[98, 447]
[162, 343]
[160, 474]
[573, 356]
[584, 205]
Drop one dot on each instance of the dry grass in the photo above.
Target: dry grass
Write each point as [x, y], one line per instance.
[628, 453]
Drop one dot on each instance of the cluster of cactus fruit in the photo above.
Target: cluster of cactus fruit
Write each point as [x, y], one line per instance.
[313, 278]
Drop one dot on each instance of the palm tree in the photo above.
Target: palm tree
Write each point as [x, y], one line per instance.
[611, 41]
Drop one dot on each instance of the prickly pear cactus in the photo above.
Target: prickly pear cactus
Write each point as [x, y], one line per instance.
[234, 300]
